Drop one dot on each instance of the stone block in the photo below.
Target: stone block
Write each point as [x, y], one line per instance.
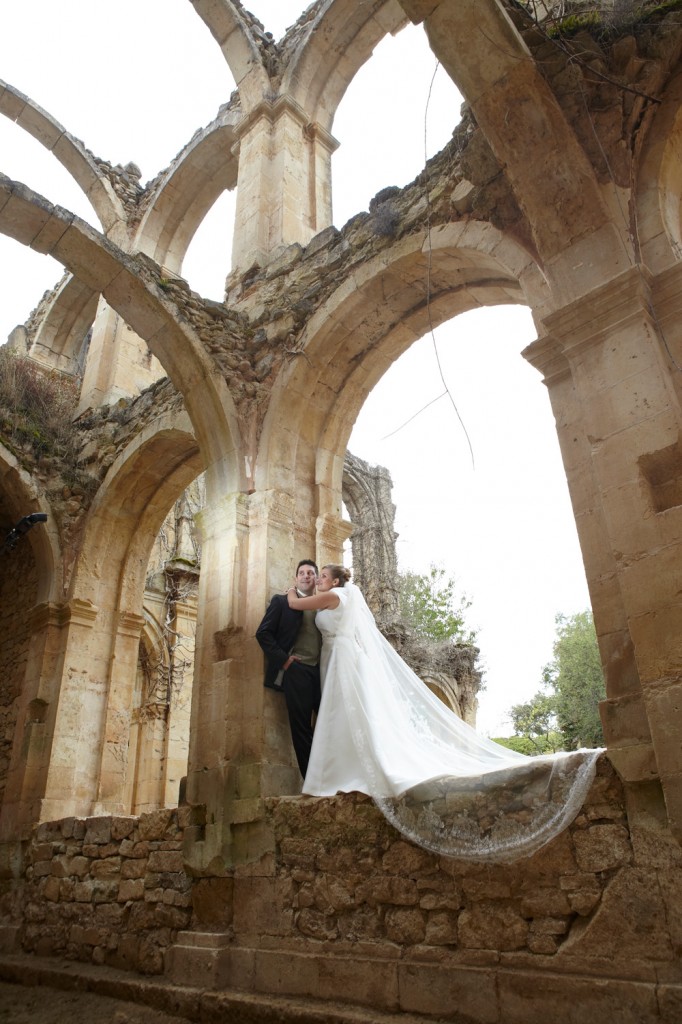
[441, 929]
[406, 926]
[534, 998]
[108, 868]
[602, 848]
[492, 926]
[162, 860]
[213, 902]
[98, 831]
[131, 889]
[388, 889]
[449, 992]
[155, 825]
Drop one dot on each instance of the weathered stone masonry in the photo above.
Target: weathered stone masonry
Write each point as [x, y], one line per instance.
[561, 190]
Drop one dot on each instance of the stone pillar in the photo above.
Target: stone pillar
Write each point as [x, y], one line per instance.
[30, 758]
[284, 184]
[111, 797]
[240, 744]
[118, 364]
[619, 422]
[176, 741]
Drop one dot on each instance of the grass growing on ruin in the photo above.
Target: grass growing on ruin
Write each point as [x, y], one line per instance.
[37, 407]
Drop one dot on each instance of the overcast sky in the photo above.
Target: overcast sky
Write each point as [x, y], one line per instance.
[134, 82]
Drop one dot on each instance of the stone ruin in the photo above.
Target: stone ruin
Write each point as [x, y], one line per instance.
[560, 189]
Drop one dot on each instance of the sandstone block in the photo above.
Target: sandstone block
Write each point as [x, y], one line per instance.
[404, 859]
[492, 926]
[109, 868]
[133, 868]
[441, 929]
[98, 831]
[131, 889]
[154, 825]
[405, 926]
[163, 861]
[602, 847]
[398, 891]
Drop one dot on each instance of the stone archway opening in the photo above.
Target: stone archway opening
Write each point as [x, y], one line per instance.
[501, 520]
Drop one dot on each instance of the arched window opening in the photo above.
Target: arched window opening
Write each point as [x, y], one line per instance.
[208, 259]
[502, 524]
[365, 124]
[159, 731]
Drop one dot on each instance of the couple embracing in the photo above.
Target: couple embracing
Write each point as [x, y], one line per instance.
[380, 730]
[292, 643]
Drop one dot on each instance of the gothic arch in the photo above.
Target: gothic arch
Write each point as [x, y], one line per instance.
[369, 321]
[107, 587]
[69, 151]
[332, 49]
[99, 264]
[204, 169]
[130, 506]
[659, 186]
[58, 342]
[234, 35]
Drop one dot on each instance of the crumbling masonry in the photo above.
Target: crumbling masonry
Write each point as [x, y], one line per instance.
[560, 190]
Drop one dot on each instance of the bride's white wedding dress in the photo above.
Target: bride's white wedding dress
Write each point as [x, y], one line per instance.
[381, 731]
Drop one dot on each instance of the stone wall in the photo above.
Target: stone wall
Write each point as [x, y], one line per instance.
[105, 890]
[342, 891]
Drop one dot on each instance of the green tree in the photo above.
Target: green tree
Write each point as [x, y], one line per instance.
[575, 676]
[564, 714]
[536, 722]
[429, 602]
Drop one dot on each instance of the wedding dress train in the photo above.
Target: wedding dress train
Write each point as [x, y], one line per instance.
[381, 731]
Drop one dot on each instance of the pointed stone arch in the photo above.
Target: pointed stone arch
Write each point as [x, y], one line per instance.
[70, 152]
[92, 724]
[204, 169]
[131, 288]
[658, 203]
[233, 33]
[333, 46]
[368, 322]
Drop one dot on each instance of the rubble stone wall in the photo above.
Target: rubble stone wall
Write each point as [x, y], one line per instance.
[340, 881]
[106, 890]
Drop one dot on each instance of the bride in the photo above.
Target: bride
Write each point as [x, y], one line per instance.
[381, 731]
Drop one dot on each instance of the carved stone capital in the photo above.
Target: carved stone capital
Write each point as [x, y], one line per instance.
[594, 317]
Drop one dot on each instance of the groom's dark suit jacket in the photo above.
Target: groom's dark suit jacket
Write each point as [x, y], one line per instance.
[276, 635]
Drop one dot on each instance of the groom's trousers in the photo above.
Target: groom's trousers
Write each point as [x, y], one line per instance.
[301, 685]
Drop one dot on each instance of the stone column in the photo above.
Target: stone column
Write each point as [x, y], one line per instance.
[240, 745]
[619, 421]
[73, 773]
[111, 797]
[30, 758]
[284, 184]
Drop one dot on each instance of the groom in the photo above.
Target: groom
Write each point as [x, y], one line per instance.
[291, 643]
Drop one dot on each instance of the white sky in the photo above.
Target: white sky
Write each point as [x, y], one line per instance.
[134, 81]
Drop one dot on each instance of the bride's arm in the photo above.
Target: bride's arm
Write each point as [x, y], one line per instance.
[326, 600]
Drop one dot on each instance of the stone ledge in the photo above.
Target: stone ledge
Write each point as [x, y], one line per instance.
[190, 1003]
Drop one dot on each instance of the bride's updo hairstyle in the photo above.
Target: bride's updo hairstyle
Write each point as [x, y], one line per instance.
[340, 573]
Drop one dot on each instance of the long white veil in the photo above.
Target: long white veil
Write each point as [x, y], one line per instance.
[433, 777]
